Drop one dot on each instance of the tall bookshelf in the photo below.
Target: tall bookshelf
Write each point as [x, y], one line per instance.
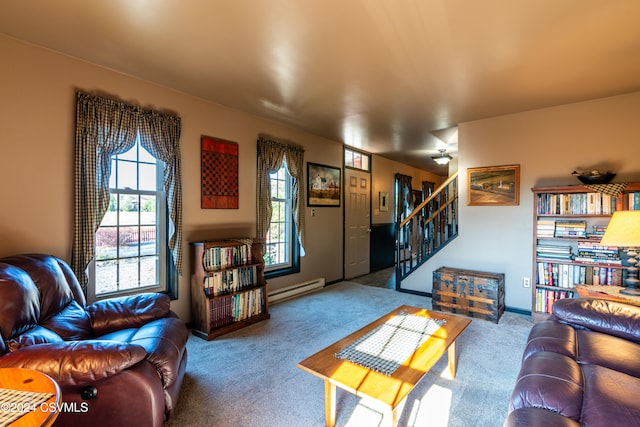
[228, 289]
[568, 223]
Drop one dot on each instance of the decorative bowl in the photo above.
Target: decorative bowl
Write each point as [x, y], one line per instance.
[594, 177]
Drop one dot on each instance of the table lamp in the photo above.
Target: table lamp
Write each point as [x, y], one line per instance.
[624, 231]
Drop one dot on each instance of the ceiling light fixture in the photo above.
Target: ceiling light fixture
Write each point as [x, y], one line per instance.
[442, 159]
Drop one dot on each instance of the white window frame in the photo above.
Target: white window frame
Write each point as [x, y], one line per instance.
[286, 241]
[161, 230]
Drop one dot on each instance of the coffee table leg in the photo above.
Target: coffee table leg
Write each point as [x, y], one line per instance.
[330, 403]
[451, 353]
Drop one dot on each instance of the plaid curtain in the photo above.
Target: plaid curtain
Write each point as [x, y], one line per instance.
[271, 154]
[160, 135]
[104, 128]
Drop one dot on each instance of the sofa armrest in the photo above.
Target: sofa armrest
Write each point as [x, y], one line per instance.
[76, 362]
[115, 314]
[609, 317]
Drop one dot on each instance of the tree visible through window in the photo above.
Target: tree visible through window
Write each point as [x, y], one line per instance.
[130, 242]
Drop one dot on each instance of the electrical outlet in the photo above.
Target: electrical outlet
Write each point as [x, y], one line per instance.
[526, 282]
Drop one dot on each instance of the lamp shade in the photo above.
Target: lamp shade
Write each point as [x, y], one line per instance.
[623, 230]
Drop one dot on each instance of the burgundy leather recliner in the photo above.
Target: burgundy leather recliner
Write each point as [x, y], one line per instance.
[118, 362]
[581, 367]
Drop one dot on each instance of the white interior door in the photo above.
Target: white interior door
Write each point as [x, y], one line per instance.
[357, 222]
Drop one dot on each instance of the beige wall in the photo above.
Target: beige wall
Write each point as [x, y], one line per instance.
[548, 144]
[37, 124]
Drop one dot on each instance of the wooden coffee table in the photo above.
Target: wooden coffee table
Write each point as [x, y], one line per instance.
[389, 390]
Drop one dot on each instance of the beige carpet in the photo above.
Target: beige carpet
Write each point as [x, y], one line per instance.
[249, 378]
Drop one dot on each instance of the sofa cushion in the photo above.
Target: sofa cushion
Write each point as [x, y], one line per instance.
[551, 336]
[20, 310]
[36, 335]
[552, 381]
[45, 271]
[72, 323]
[610, 398]
[608, 351]
[127, 312]
[609, 317]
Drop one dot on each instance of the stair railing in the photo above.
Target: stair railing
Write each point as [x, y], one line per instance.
[427, 229]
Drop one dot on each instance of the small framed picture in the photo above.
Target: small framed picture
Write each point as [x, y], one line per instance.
[494, 186]
[324, 185]
[384, 201]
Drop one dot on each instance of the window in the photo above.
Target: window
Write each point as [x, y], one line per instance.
[357, 160]
[279, 214]
[130, 244]
[281, 252]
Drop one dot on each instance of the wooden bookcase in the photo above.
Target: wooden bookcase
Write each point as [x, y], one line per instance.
[228, 289]
[568, 223]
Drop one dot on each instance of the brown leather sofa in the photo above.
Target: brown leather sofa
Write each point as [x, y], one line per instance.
[118, 362]
[581, 367]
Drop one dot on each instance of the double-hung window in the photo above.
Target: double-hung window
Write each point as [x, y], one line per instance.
[279, 237]
[130, 243]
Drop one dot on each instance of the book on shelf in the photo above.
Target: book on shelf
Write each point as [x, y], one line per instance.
[546, 297]
[576, 204]
[634, 201]
[231, 280]
[569, 275]
[571, 228]
[545, 228]
[222, 257]
[595, 253]
[234, 308]
[553, 251]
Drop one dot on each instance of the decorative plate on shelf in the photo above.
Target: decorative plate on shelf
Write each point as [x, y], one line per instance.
[594, 177]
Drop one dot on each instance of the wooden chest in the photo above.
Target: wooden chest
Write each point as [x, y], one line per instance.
[472, 293]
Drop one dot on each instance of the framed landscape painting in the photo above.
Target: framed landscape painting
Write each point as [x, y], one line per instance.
[324, 185]
[493, 186]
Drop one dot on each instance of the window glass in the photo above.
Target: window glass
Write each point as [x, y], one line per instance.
[357, 160]
[278, 244]
[130, 242]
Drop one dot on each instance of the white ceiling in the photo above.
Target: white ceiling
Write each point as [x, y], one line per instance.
[380, 75]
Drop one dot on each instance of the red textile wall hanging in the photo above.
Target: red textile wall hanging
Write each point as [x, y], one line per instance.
[219, 173]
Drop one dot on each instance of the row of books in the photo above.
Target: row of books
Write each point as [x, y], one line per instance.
[596, 253]
[634, 201]
[234, 308]
[554, 251]
[221, 257]
[546, 297]
[229, 281]
[564, 228]
[577, 204]
[569, 275]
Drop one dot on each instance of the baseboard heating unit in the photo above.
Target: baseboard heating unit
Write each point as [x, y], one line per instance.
[295, 290]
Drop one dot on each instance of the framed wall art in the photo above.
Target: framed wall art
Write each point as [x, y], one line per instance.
[219, 167]
[383, 199]
[493, 186]
[324, 185]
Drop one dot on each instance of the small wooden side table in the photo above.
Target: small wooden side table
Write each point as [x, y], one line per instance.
[28, 380]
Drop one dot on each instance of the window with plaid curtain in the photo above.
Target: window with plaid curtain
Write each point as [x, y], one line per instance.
[105, 128]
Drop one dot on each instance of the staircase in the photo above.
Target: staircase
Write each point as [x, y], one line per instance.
[428, 229]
